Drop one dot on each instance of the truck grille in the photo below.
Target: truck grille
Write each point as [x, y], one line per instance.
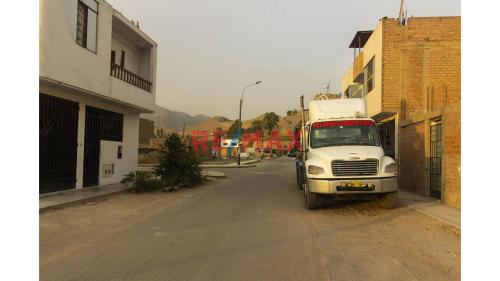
[367, 167]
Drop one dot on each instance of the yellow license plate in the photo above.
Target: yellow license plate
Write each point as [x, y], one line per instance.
[355, 184]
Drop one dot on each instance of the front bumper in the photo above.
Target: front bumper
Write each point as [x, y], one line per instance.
[330, 186]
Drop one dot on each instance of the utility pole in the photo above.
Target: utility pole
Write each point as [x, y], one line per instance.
[239, 123]
[400, 11]
[239, 129]
[303, 130]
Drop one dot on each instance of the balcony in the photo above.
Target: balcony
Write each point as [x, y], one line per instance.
[357, 69]
[130, 77]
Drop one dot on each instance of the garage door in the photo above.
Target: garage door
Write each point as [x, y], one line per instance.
[58, 130]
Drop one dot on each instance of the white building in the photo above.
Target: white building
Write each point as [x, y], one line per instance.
[97, 74]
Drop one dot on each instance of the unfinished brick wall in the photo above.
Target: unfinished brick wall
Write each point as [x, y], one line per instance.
[146, 131]
[452, 156]
[421, 81]
[391, 80]
[412, 158]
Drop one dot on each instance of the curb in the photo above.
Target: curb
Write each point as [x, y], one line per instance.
[432, 208]
[244, 164]
[228, 166]
[212, 174]
[430, 214]
[251, 161]
[79, 201]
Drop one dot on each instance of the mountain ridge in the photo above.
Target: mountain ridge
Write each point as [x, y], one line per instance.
[177, 120]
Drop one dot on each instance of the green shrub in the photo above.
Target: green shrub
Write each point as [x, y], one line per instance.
[142, 181]
[178, 165]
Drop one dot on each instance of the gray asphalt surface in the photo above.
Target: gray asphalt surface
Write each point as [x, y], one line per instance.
[249, 226]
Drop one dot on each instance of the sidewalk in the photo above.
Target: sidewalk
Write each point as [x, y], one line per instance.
[244, 164]
[431, 207]
[60, 199]
[75, 196]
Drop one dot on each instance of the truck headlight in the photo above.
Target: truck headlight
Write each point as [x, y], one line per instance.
[315, 170]
[391, 168]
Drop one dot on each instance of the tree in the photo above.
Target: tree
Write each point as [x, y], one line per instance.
[270, 121]
[289, 113]
[232, 132]
[256, 126]
[178, 164]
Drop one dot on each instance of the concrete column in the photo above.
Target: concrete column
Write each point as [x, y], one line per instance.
[81, 145]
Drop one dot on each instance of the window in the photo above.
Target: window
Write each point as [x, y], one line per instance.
[113, 55]
[86, 24]
[342, 133]
[355, 91]
[369, 76]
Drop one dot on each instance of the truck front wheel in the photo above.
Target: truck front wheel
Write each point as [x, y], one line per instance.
[389, 200]
[312, 201]
[297, 173]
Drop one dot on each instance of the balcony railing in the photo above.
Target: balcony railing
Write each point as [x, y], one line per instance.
[130, 77]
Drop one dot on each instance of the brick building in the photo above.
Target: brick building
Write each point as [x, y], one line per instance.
[410, 79]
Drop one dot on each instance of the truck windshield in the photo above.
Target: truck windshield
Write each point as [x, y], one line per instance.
[345, 132]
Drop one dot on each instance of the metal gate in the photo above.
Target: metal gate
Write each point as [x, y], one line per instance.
[58, 131]
[100, 125]
[436, 156]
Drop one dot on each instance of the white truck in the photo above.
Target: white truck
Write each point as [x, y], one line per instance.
[342, 157]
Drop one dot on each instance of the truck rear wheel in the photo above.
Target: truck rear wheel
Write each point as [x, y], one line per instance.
[312, 201]
[390, 200]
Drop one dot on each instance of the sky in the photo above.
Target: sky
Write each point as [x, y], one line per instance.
[208, 51]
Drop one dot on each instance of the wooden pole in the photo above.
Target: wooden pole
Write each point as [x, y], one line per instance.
[302, 139]
[400, 11]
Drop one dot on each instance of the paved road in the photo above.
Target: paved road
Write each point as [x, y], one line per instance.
[250, 226]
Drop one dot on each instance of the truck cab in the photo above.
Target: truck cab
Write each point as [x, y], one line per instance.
[342, 156]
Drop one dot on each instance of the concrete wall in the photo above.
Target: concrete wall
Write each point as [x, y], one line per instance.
[108, 151]
[121, 90]
[63, 60]
[132, 55]
[346, 80]
[373, 50]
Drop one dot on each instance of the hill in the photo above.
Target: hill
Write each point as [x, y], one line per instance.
[212, 124]
[174, 120]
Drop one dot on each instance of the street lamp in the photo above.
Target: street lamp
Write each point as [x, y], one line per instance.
[239, 123]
